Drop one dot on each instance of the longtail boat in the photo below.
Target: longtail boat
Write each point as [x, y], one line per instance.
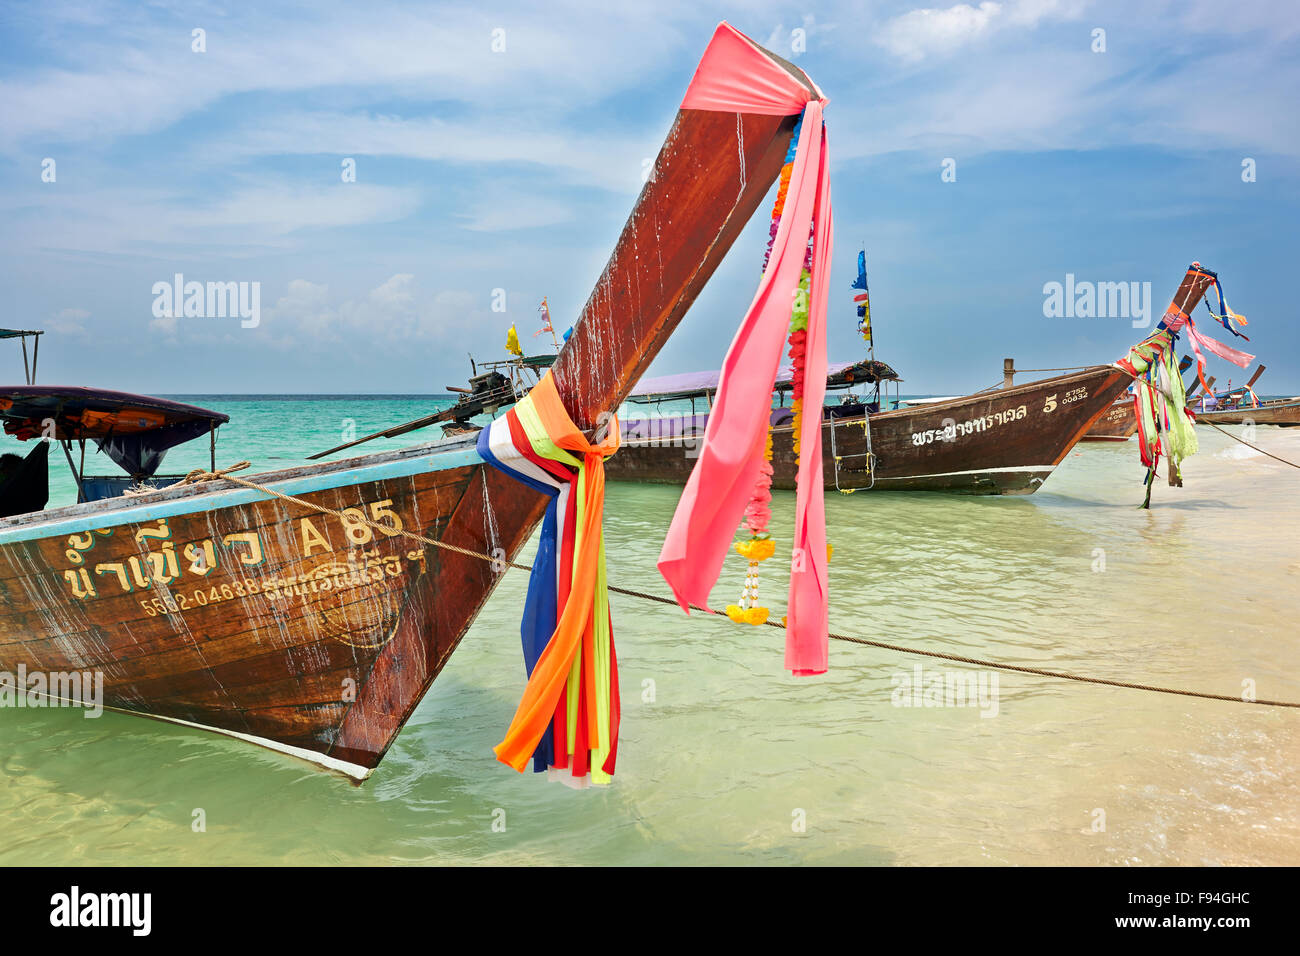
[225, 607]
[1278, 411]
[1002, 441]
[1240, 406]
[1005, 440]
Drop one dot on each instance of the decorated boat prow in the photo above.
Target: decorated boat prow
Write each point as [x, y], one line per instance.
[309, 609]
[1164, 423]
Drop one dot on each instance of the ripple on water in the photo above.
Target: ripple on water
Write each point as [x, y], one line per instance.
[726, 758]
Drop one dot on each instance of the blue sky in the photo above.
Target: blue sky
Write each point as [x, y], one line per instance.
[478, 170]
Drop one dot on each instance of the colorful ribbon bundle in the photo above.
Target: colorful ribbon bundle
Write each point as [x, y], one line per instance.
[1165, 425]
[568, 718]
[736, 76]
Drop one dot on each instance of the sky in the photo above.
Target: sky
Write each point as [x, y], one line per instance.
[978, 152]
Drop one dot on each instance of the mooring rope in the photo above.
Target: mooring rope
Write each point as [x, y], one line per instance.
[200, 475]
[1248, 444]
[1068, 368]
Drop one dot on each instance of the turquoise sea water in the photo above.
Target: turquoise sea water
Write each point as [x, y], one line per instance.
[726, 758]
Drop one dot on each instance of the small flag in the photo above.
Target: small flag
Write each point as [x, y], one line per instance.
[546, 319]
[863, 299]
[512, 343]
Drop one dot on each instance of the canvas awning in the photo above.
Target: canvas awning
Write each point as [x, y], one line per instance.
[135, 431]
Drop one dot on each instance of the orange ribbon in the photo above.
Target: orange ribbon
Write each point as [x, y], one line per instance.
[537, 706]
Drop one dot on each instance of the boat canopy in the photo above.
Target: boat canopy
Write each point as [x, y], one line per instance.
[16, 333]
[135, 431]
[665, 388]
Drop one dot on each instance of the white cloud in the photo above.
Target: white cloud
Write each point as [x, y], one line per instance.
[515, 209]
[266, 213]
[580, 155]
[920, 33]
[931, 31]
[139, 75]
[394, 313]
[70, 323]
[165, 326]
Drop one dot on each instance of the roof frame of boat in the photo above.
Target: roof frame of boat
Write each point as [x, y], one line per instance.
[29, 371]
[691, 385]
[135, 431]
[91, 413]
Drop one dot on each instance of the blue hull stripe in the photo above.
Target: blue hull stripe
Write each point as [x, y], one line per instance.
[306, 484]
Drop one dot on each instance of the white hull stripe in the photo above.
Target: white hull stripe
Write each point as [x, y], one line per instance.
[355, 771]
[197, 504]
[1035, 469]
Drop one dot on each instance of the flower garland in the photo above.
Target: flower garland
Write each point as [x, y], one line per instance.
[798, 350]
[760, 546]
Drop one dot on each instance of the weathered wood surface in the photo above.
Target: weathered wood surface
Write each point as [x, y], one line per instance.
[261, 619]
[1004, 441]
[1117, 423]
[337, 671]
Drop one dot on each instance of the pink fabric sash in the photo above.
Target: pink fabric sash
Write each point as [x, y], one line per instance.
[1183, 322]
[736, 76]
[1235, 356]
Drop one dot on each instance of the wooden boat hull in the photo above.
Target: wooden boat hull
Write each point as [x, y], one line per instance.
[225, 607]
[1285, 413]
[1006, 441]
[1117, 423]
[238, 612]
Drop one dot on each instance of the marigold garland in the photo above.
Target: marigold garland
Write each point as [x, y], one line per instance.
[758, 512]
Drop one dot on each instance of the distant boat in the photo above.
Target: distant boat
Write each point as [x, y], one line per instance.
[223, 607]
[1117, 423]
[499, 386]
[1278, 411]
[999, 441]
[1240, 405]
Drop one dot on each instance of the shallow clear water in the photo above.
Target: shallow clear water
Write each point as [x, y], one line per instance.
[723, 753]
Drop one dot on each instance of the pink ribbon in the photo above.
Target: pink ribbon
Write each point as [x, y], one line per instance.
[735, 75]
[1218, 348]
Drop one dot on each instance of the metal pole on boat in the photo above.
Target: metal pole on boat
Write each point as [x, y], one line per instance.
[67, 453]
